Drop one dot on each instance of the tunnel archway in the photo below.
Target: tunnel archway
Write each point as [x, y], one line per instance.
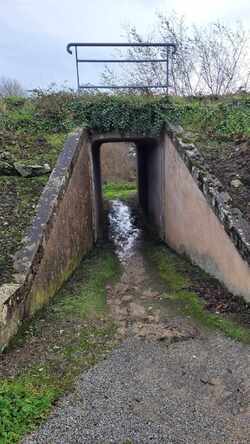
[150, 177]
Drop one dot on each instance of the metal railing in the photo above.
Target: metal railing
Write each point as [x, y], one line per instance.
[170, 49]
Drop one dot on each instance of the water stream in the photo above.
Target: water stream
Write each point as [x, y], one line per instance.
[123, 230]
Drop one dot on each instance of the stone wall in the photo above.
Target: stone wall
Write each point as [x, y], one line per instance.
[61, 233]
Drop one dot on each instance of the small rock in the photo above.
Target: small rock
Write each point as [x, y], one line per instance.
[236, 183]
[19, 278]
[119, 313]
[149, 294]
[127, 298]
[215, 380]
[137, 311]
[6, 169]
[6, 155]
[32, 170]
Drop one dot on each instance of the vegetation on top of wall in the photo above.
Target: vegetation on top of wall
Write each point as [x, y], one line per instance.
[55, 113]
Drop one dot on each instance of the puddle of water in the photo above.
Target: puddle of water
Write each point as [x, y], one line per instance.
[123, 230]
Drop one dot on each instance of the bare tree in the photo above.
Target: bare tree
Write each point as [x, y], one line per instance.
[185, 78]
[10, 87]
[209, 60]
[221, 52]
[137, 74]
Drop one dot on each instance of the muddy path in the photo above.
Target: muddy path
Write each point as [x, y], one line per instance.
[136, 302]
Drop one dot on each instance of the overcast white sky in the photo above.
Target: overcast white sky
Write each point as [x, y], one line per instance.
[34, 33]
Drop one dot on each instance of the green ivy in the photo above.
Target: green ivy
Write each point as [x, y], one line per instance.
[222, 118]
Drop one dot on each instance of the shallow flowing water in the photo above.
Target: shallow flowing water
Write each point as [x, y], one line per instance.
[123, 229]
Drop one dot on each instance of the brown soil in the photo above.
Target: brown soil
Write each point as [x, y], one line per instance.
[140, 310]
[229, 161]
[219, 299]
[18, 199]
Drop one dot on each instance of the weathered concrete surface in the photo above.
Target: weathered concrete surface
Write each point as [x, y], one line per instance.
[192, 227]
[70, 237]
[61, 233]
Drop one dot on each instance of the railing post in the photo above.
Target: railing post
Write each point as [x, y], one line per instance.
[77, 70]
[167, 70]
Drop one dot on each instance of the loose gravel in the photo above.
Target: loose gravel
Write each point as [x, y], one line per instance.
[195, 391]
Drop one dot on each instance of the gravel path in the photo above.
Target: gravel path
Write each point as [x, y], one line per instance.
[195, 391]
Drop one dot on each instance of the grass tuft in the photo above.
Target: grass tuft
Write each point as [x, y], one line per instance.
[120, 190]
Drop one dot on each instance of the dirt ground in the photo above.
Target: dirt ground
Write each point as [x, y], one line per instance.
[230, 163]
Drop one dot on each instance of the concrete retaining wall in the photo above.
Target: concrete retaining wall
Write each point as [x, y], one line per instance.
[193, 228]
[192, 213]
[61, 233]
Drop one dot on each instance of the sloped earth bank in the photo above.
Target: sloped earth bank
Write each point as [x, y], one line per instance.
[230, 163]
[169, 381]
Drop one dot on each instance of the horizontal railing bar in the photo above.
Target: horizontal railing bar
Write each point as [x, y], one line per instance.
[160, 44]
[121, 86]
[166, 59]
[120, 60]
